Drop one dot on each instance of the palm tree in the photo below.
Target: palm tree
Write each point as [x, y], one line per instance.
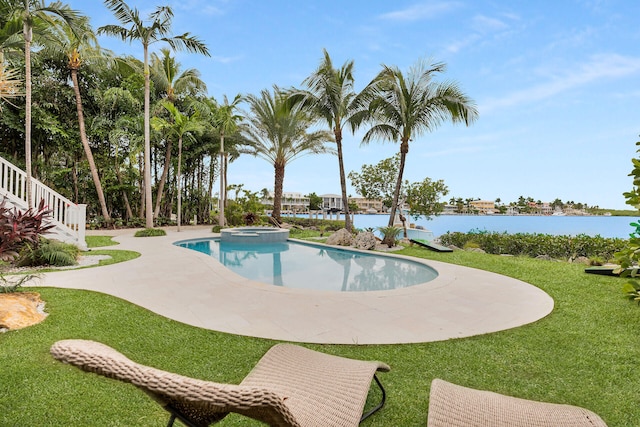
[81, 45]
[331, 96]
[32, 13]
[403, 108]
[157, 31]
[173, 84]
[277, 131]
[226, 122]
[10, 83]
[181, 126]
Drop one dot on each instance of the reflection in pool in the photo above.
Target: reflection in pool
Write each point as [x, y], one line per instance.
[306, 266]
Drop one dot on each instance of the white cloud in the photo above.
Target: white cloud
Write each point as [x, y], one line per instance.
[226, 59]
[486, 24]
[425, 10]
[605, 66]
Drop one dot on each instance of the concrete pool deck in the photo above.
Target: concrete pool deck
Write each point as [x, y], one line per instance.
[196, 289]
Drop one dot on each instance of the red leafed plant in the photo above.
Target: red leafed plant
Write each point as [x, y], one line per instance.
[21, 228]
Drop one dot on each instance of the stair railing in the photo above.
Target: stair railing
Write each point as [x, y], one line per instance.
[69, 217]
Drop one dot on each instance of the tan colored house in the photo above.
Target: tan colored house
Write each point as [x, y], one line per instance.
[484, 206]
[367, 205]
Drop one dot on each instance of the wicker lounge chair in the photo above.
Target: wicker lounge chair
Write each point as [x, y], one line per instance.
[290, 386]
[452, 405]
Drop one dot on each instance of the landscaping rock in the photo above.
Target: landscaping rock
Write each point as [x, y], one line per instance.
[20, 309]
[477, 250]
[366, 240]
[581, 260]
[340, 238]
[544, 257]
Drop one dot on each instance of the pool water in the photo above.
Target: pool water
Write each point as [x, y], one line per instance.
[307, 266]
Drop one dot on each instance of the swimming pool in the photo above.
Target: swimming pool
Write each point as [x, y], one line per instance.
[307, 266]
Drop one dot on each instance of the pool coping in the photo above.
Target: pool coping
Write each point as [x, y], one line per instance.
[196, 289]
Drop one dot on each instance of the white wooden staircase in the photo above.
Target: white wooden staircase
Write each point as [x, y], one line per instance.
[69, 218]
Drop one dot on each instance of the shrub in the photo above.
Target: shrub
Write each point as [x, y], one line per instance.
[150, 232]
[216, 229]
[18, 229]
[533, 245]
[49, 252]
[330, 225]
[390, 235]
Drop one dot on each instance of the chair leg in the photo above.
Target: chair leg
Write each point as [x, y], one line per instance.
[176, 415]
[380, 405]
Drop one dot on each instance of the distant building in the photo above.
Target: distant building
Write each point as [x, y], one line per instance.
[332, 202]
[484, 206]
[367, 205]
[294, 202]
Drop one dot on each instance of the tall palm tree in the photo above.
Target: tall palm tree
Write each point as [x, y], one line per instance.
[227, 120]
[171, 81]
[173, 85]
[158, 30]
[181, 125]
[277, 131]
[81, 46]
[331, 95]
[32, 13]
[403, 108]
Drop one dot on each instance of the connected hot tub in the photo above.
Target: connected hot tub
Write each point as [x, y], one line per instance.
[254, 235]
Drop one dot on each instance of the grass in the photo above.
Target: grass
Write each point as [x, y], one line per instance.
[100, 241]
[584, 353]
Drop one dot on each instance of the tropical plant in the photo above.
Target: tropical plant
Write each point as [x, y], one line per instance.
[390, 235]
[403, 108]
[13, 283]
[331, 96]
[10, 82]
[34, 14]
[181, 126]
[156, 31]
[277, 131]
[173, 85]
[49, 252]
[18, 229]
[78, 45]
[226, 122]
[629, 257]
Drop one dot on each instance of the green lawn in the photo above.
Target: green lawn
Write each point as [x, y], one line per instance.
[581, 354]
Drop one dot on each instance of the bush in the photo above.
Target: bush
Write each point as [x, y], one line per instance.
[150, 232]
[330, 225]
[49, 252]
[390, 235]
[18, 229]
[533, 245]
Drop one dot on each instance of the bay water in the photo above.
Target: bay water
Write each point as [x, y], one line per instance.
[604, 226]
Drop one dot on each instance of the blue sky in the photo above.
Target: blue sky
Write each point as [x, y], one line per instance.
[557, 85]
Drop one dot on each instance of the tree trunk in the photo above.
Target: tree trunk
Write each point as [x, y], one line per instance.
[147, 144]
[277, 191]
[27, 32]
[163, 178]
[343, 182]
[178, 181]
[142, 187]
[404, 149]
[87, 148]
[210, 188]
[223, 184]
